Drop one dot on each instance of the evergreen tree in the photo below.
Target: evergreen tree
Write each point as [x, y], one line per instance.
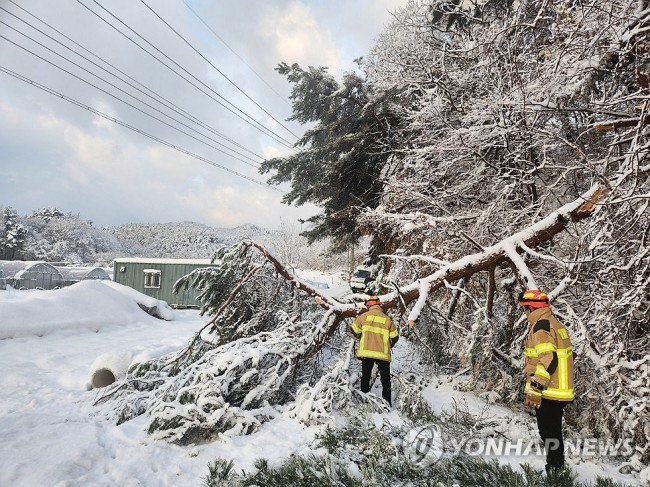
[12, 235]
[340, 161]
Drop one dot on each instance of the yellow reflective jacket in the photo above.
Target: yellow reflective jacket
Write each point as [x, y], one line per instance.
[376, 330]
[549, 356]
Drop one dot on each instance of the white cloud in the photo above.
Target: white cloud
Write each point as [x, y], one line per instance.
[270, 152]
[114, 176]
[298, 37]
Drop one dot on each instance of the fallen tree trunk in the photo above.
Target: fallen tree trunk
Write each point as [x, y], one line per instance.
[489, 258]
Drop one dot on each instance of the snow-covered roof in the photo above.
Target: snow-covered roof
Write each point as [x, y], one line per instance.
[79, 273]
[147, 260]
[15, 268]
[12, 267]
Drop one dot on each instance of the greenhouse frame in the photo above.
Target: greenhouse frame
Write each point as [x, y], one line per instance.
[31, 275]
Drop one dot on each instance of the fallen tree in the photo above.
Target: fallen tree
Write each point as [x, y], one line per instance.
[256, 350]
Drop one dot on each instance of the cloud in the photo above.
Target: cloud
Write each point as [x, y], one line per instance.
[294, 33]
[55, 154]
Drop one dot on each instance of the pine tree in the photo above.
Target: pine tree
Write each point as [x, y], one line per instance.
[12, 235]
[340, 159]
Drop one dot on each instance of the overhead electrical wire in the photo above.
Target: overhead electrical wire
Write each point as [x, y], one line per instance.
[116, 87]
[131, 127]
[154, 95]
[236, 54]
[215, 68]
[244, 116]
[115, 96]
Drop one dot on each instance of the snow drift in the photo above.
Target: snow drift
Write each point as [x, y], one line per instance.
[87, 304]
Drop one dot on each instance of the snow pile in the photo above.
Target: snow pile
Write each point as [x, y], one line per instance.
[87, 304]
[155, 307]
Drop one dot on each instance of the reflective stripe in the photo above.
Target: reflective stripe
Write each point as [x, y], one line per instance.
[565, 352]
[551, 393]
[384, 333]
[540, 349]
[376, 319]
[393, 333]
[563, 333]
[533, 392]
[545, 347]
[355, 328]
[376, 329]
[562, 373]
[372, 354]
[541, 371]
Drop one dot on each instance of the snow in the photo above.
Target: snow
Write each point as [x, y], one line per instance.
[87, 304]
[163, 310]
[50, 433]
[151, 260]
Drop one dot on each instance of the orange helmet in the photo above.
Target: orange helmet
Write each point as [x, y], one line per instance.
[534, 298]
[372, 300]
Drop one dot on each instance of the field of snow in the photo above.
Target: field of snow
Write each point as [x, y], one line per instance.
[50, 433]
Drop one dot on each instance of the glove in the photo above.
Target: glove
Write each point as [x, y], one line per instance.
[533, 397]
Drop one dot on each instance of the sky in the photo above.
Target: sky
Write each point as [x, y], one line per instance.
[85, 146]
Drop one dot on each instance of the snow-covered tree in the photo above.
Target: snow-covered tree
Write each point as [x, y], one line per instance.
[47, 213]
[251, 357]
[508, 112]
[496, 146]
[342, 155]
[12, 235]
[517, 109]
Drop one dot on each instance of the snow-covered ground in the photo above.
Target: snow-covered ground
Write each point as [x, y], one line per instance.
[50, 433]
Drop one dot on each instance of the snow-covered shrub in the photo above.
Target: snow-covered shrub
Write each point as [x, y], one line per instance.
[359, 453]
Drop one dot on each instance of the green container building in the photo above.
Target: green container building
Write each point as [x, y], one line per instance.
[156, 278]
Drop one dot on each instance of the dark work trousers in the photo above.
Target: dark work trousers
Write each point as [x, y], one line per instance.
[384, 374]
[549, 422]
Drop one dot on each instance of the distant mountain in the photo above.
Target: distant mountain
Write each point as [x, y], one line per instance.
[52, 236]
[184, 239]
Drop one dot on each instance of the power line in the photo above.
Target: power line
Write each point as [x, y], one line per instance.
[235, 53]
[216, 69]
[116, 87]
[254, 123]
[117, 97]
[131, 127]
[167, 103]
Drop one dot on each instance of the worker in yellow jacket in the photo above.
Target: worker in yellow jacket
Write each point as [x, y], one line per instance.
[549, 372]
[378, 335]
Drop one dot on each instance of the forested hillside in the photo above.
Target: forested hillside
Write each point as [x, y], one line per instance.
[49, 234]
[486, 148]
